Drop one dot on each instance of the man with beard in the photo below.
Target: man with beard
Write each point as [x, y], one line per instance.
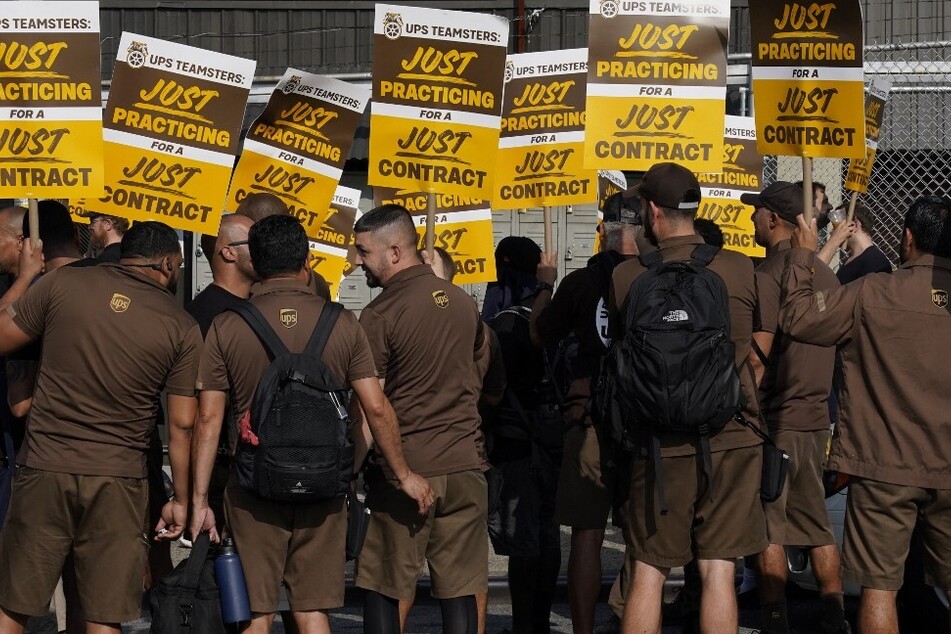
[893, 331]
[105, 235]
[425, 334]
[82, 484]
[794, 380]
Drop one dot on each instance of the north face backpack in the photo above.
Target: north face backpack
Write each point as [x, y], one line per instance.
[675, 369]
[298, 447]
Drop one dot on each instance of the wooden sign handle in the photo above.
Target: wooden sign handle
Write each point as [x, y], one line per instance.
[808, 198]
[34, 219]
[431, 225]
[549, 247]
[853, 198]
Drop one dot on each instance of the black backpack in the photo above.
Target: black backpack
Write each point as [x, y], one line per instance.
[531, 406]
[299, 415]
[675, 369]
[186, 601]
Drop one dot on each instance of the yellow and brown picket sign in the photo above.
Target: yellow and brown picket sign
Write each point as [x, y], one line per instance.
[297, 148]
[329, 249]
[437, 97]
[50, 100]
[610, 182]
[540, 161]
[463, 229]
[656, 84]
[171, 132]
[808, 78]
[742, 174]
[860, 170]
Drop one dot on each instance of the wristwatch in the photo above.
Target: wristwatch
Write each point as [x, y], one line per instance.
[544, 286]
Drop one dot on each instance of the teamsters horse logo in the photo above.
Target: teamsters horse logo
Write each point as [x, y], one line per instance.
[939, 297]
[137, 54]
[392, 26]
[291, 84]
[288, 317]
[509, 71]
[119, 303]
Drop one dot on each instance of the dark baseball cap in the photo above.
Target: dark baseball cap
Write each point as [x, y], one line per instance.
[618, 209]
[782, 198]
[668, 185]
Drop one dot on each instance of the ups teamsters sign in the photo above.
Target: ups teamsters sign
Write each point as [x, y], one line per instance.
[540, 160]
[860, 170]
[50, 100]
[297, 148]
[329, 249]
[808, 78]
[437, 98]
[656, 83]
[742, 173]
[171, 132]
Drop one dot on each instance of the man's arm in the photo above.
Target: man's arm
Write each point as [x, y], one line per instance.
[31, 265]
[211, 413]
[836, 239]
[386, 435]
[181, 421]
[822, 318]
[21, 381]
[760, 347]
[11, 336]
[546, 273]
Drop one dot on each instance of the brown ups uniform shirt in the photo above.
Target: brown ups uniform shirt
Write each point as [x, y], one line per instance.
[234, 358]
[794, 394]
[425, 333]
[112, 339]
[736, 270]
[894, 337]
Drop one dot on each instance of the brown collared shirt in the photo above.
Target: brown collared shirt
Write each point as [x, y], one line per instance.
[112, 340]
[425, 334]
[794, 394]
[893, 331]
[736, 270]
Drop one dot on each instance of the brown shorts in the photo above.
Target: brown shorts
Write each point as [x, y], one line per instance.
[879, 521]
[302, 544]
[695, 526]
[799, 517]
[453, 538]
[100, 519]
[585, 489]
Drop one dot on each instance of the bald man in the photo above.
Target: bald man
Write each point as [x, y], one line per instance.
[231, 270]
[257, 206]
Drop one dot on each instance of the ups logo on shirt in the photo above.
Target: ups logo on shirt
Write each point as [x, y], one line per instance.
[939, 297]
[288, 317]
[119, 303]
[441, 298]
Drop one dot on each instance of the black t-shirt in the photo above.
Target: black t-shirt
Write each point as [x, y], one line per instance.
[871, 260]
[110, 254]
[210, 303]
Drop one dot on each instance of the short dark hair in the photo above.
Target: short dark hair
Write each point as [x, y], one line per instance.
[384, 216]
[929, 219]
[447, 262]
[149, 239]
[710, 231]
[865, 216]
[57, 230]
[278, 245]
[121, 225]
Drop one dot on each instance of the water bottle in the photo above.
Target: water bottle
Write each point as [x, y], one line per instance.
[231, 586]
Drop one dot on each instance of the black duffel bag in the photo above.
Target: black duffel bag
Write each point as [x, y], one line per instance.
[186, 601]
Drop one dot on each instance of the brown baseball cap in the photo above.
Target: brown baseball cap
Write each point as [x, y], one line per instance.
[782, 198]
[668, 185]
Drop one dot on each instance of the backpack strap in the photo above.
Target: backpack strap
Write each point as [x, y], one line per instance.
[707, 458]
[253, 317]
[703, 255]
[650, 260]
[325, 325]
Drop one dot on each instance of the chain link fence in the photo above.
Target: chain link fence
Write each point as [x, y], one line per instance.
[914, 151]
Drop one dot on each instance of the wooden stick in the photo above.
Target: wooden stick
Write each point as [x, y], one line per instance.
[549, 247]
[34, 220]
[853, 198]
[808, 199]
[431, 225]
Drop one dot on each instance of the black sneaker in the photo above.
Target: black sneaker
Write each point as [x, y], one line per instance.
[611, 626]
